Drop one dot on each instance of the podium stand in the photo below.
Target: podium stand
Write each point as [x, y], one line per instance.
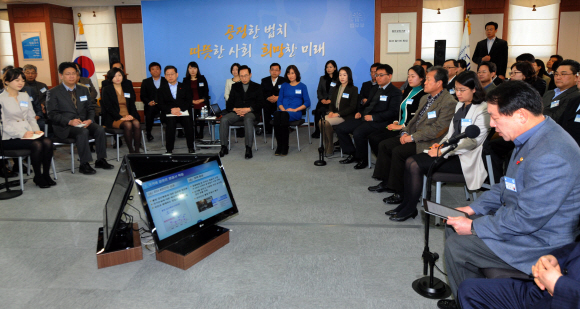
[189, 252]
[122, 256]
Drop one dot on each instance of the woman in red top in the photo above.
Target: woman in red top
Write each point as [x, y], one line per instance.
[196, 86]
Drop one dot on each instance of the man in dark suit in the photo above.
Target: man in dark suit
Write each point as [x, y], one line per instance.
[39, 90]
[555, 101]
[149, 89]
[242, 105]
[570, 119]
[533, 210]
[492, 49]
[365, 89]
[72, 116]
[381, 109]
[486, 73]
[173, 101]
[271, 88]
[451, 65]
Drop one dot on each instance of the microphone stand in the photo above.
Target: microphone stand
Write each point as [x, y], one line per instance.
[429, 286]
[320, 161]
[8, 194]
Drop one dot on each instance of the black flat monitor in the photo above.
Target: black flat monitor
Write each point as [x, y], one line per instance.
[116, 233]
[184, 200]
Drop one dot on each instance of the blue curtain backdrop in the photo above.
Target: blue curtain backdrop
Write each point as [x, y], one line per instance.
[218, 33]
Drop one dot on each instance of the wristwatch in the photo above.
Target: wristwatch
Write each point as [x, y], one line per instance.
[473, 230]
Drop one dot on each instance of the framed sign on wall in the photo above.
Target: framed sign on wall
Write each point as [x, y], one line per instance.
[398, 35]
[31, 49]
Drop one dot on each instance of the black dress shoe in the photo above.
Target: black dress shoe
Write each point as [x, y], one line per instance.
[223, 151]
[393, 199]
[315, 135]
[350, 159]
[149, 137]
[248, 152]
[86, 169]
[259, 131]
[381, 187]
[191, 150]
[39, 181]
[361, 164]
[391, 212]
[404, 218]
[49, 180]
[102, 163]
[447, 304]
[284, 151]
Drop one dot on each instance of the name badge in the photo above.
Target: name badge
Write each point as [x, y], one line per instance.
[510, 184]
[452, 91]
[332, 84]
[555, 103]
[83, 98]
[465, 122]
[279, 86]
[201, 84]
[127, 95]
[43, 90]
[431, 115]
[345, 95]
[24, 103]
[298, 91]
[383, 98]
[409, 101]
[577, 119]
[88, 85]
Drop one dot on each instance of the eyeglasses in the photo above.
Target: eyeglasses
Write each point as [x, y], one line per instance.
[562, 74]
[515, 73]
[380, 75]
[460, 90]
[70, 74]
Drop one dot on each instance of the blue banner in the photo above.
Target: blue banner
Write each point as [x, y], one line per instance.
[31, 46]
[218, 33]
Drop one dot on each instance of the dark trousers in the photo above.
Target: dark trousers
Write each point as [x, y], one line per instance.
[380, 135]
[281, 121]
[152, 111]
[230, 119]
[171, 127]
[502, 294]
[269, 109]
[200, 124]
[360, 131]
[40, 152]
[82, 140]
[321, 110]
[390, 166]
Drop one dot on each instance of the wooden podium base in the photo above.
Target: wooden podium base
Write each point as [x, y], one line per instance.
[107, 259]
[188, 253]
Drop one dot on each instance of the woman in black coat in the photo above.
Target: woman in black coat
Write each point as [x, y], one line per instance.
[196, 86]
[119, 110]
[327, 81]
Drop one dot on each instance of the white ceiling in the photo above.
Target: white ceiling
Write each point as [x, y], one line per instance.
[74, 3]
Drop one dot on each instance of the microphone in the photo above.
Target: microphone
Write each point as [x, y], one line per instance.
[471, 131]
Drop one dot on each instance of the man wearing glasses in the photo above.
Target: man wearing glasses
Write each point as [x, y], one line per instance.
[486, 74]
[565, 78]
[451, 65]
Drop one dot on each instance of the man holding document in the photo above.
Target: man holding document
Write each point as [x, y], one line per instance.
[534, 209]
[173, 101]
[72, 114]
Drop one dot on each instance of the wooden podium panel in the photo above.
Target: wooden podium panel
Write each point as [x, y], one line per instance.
[186, 261]
[107, 259]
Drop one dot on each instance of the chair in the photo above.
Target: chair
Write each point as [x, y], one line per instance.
[71, 142]
[295, 125]
[20, 154]
[263, 124]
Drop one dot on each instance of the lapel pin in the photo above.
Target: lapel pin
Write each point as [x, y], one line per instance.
[520, 161]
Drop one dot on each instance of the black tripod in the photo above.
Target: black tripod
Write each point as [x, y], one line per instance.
[320, 161]
[8, 194]
[429, 286]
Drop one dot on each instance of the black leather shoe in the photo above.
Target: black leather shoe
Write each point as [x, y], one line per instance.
[381, 187]
[49, 180]
[86, 169]
[393, 199]
[248, 152]
[391, 212]
[284, 151]
[191, 150]
[102, 163]
[361, 164]
[447, 304]
[39, 181]
[259, 131]
[223, 151]
[149, 137]
[350, 159]
[401, 219]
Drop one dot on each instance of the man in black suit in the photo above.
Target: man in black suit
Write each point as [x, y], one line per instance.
[556, 101]
[381, 109]
[452, 66]
[550, 63]
[492, 49]
[242, 105]
[72, 115]
[271, 88]
[173, 101]
[39, 90]
[149, 89]
[365, 89]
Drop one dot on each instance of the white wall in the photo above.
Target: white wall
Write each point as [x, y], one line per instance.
[569, 38]
[478, 22]
[6, 54]
[400, 62]
[134, 52]
[43, 65]
[445, 26]
[64, 39]
[100, 32]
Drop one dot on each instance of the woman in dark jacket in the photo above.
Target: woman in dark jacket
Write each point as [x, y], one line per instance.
[119, 110]
[328, 81]
[196, 86]
[343, 100]
[525, 71]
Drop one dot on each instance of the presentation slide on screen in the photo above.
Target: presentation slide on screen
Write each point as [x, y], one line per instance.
[182, 199]
[216, 34]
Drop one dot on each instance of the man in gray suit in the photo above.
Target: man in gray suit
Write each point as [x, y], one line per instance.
[534, 209]
[72, 115]
[565, 78]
